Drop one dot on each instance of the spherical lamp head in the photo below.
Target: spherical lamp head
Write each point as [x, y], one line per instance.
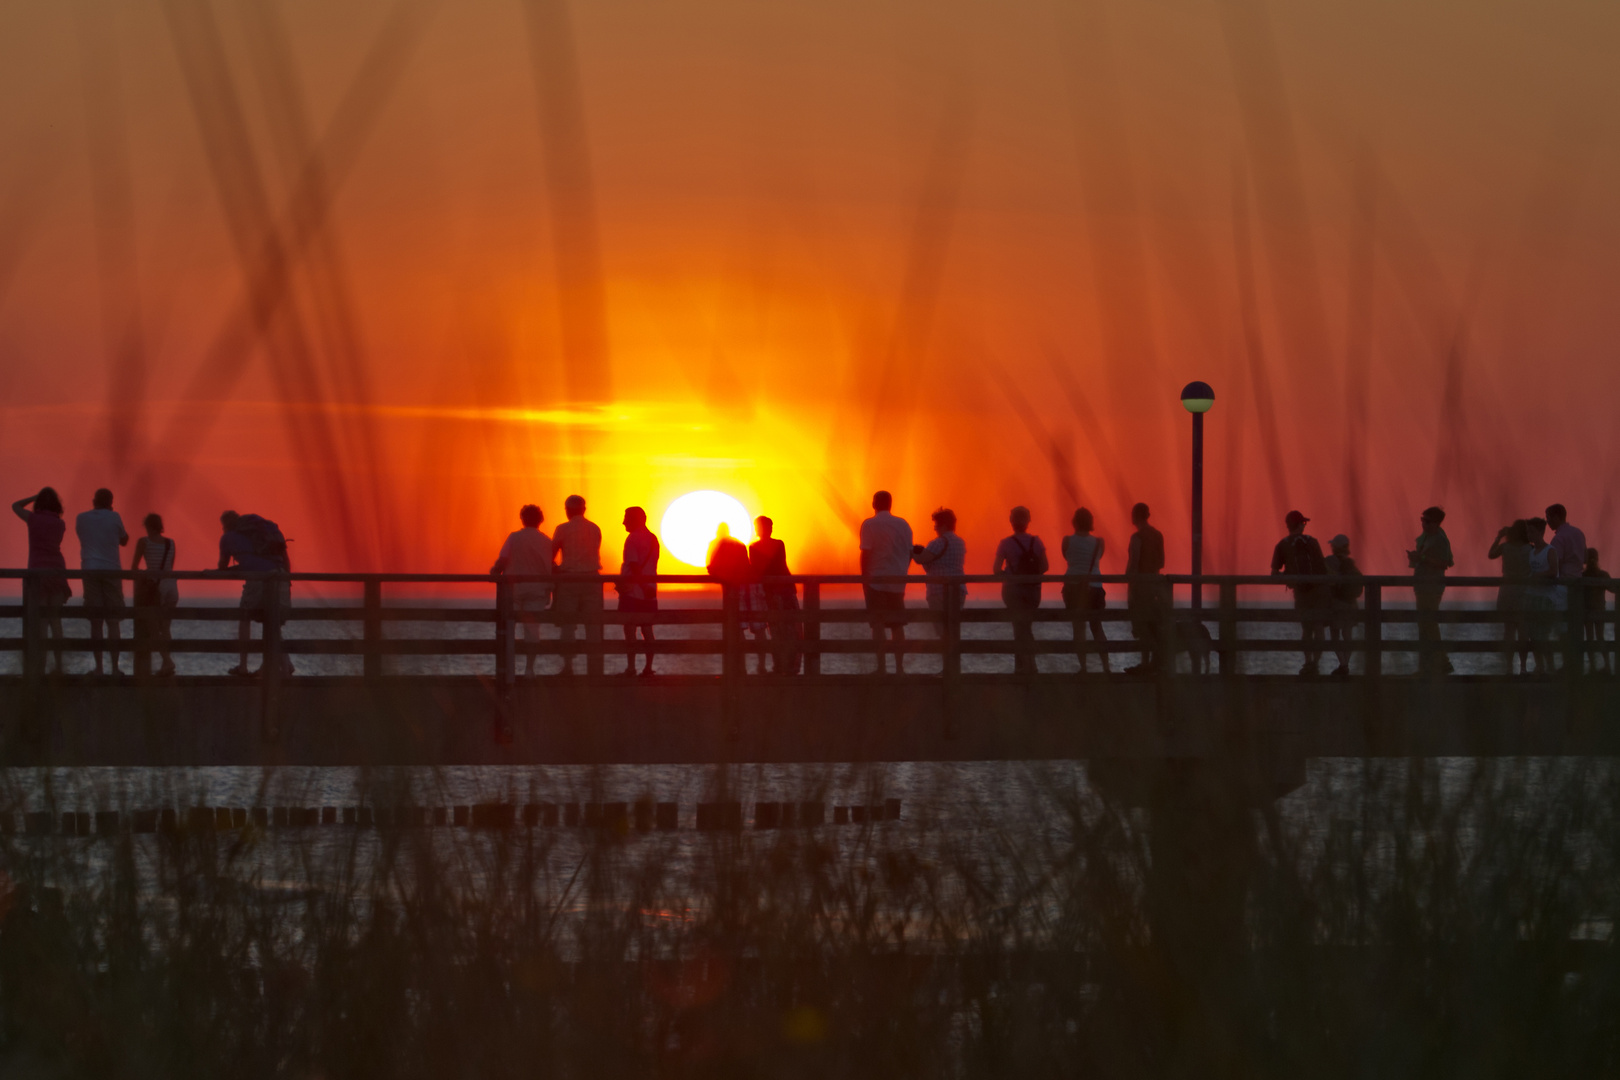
[1197, 397]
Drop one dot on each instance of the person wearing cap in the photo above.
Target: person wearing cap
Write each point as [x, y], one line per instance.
[1298, 554]
[1429, 559]
[1342, 596]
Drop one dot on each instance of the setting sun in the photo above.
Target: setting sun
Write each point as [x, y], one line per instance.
[689, 524]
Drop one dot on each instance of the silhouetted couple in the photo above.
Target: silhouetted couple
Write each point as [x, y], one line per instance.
[751, 575]
[574, 549]
[1538, 577]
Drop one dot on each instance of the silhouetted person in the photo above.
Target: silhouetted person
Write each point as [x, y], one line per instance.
[1512, 546]
[576, 547]
[1568, 541]
[527, 553]
[768, 556]
[1084, 598]
[1429, 559]
[1597, 605]
[45, 531]
[886, 552]
[728, 558]
[1343, 593]
[254, 544]
[728, 564]
[101, 533]
[1298, 553]
[638, 591]
[1144, 561]
[944, 556]
[1543, 596]
[155, 598]
[1021, 555]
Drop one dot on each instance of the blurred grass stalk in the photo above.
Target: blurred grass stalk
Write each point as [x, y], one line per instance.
[1392, 919]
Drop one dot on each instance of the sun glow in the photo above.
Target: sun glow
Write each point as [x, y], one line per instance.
[688, 526]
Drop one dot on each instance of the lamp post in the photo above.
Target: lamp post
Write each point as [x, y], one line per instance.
[1198, 398]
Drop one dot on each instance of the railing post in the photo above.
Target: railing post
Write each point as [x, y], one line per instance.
[731, 659]
[1575, 644]
[593, 631]
[1373, 632]
[505, 668]
[1228, 628]
[33, 631]
[951, 631]
[812, 627]
[270, 666]
[371, 629]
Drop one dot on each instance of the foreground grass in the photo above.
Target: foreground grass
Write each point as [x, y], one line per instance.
[1405, 919]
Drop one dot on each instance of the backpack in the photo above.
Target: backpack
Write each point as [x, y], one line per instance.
[1027, 562]
[268, 543]
[1304, 557]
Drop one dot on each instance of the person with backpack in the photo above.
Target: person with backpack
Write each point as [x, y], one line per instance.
[1021, 555]
[1342, 597]
[1298, 554]
[255, 544]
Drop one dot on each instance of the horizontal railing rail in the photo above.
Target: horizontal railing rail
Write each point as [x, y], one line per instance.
[1541, 617]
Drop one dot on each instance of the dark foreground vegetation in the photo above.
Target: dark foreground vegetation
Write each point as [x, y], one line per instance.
[1391, 920]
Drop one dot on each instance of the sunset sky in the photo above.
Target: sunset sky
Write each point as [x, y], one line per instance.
[386, 271]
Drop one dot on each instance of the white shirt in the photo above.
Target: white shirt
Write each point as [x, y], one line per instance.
[888, 538]
[99, 533]
[1080, 555]
[527, 552]
[581, 544]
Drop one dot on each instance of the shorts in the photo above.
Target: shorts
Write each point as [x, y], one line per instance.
[530, 596]
[107, 592]
[575, 598]
[253, 599]
[1078, 597]
[880, 600]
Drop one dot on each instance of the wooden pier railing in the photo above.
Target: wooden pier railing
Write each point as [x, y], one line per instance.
[1249, 618]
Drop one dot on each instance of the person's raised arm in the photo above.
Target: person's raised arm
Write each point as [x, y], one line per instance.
[20, 508]
[1496, 545]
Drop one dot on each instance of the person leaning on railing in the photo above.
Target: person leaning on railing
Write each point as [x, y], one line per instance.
[527, 553]
[943, 556]
[576, 546]
[1146, 597]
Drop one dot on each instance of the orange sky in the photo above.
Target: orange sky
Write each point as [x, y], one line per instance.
[383, 272]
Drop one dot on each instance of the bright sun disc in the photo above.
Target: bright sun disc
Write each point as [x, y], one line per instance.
[689, 524]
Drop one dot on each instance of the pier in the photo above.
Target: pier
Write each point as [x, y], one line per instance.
[389, 707]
